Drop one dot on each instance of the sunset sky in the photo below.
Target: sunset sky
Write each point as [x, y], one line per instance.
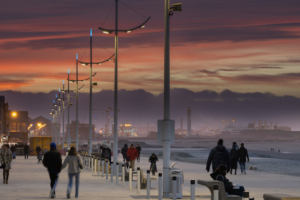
[244, 46]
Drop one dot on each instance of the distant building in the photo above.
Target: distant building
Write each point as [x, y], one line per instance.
[83, 131]
[18, 121]
[40, 126]
[143, 131]
[128, 130]
[4, 117]
[284, 128]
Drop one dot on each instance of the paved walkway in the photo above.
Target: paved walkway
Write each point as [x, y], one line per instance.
[29, 180]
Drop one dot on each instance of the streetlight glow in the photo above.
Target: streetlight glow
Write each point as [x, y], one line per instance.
[14, 114]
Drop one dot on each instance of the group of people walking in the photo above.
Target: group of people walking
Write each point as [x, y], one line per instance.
[131, 154]
[53, 162]
[224, 161]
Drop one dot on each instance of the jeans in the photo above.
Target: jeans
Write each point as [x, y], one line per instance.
[241, 191]
[243, 168]
[53, 179]
[76, 183]
[26, 155]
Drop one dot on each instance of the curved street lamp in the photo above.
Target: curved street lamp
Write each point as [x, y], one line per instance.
[109, 31]
[91, 84]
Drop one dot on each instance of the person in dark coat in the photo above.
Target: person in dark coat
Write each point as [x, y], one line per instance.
[26, 151]
[234, 155]
[13, 150]
[53, 162]
[220, 175]
[38, 150]
[243, 154]
[106, 153]
[218, 156]
[139, 149]
[124, 152]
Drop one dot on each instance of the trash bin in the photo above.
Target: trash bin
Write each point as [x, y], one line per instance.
[178, 173]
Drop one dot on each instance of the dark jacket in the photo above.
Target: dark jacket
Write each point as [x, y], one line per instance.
[26, 148]
[219, 177]
[139, 149]
[124, 151]
[13, 148]
[234, 154]
[38, 149]
[243, 154]
[52, 161]
[106, 153]
[218, 156]
[153, 159]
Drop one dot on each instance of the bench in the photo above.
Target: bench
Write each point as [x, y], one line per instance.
[143, 179]
[222, 194]
[280, 197]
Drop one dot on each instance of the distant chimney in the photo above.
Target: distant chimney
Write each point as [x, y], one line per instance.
[189, 123]
[181, 124]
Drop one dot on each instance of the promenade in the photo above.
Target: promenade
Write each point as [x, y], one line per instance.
[29, 180]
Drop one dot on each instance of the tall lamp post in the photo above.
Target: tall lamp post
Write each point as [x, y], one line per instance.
[91, 84]
[166, 127]
[109, 31]
[77, 80]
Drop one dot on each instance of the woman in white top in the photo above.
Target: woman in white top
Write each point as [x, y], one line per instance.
[75, 165]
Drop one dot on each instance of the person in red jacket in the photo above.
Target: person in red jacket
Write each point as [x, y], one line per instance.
[132, 154]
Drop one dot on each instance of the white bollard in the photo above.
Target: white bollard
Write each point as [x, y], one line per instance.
[216, 192]
[102, 167]
[123, 175]
[246, 195]
[138, 180]
[160, 186]
[148, 184]
[99, 167]
[106, 169]
[192, 189]
[95, 165]
[117, 174]
[130, 178]
[174, 189]
[111, 172]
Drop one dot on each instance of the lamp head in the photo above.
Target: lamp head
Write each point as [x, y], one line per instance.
[176, 7]
[91, 33]
[106, 32]
[76, 56]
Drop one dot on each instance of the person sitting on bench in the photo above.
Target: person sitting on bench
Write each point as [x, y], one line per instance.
[220, 175]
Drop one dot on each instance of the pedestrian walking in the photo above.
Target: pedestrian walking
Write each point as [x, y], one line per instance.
[132, 154]
[106, 153]
[38, 150]
[26, 151]
[124, 152]
[234, 156]
[243, 154]
[13, 150]
[52, 161]
[139, 149]
[218, 156]
[75, 163]
[6, 158]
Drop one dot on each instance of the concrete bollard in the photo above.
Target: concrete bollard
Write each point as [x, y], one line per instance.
[138, 180]
[216, 192]
[99, 167]
[123, 175]
[130, 178]
[95, 164]
[148, 184]
[111, 172]
[246, 195]
[102, 167]
[174, 189]
[117, 173]
[192, 189]
[160, 186]
[106, 169]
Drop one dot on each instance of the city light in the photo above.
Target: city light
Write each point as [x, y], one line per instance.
[14, 114]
